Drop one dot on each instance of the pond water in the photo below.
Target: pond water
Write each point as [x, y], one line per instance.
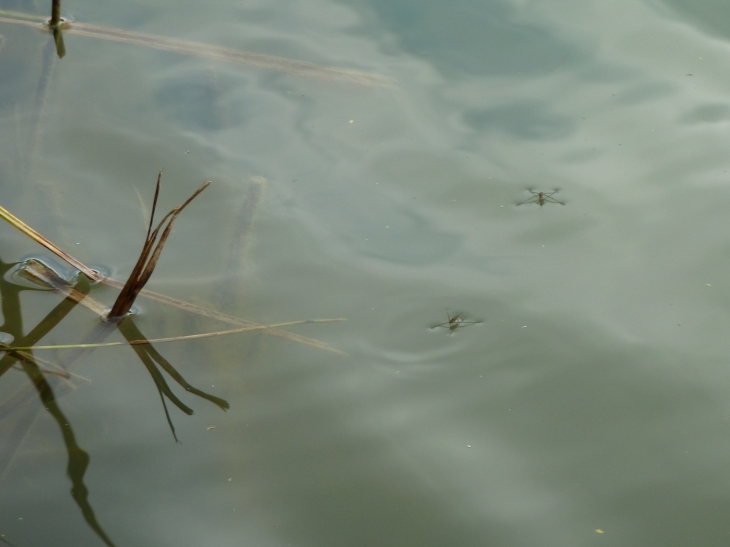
[587, 404]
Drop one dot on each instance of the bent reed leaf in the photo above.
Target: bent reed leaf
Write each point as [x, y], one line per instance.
[151, 252]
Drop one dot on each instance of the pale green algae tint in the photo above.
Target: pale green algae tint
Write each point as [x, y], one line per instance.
[593, 395]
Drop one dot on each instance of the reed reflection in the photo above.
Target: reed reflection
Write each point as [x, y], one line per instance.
[48, 382]
[20, 405]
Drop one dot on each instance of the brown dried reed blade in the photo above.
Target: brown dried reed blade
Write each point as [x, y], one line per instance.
[150, 254]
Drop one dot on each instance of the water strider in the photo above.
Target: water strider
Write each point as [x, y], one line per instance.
[541, 198]
[456, 322]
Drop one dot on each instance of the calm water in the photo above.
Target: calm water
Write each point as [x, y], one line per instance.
[590, 407]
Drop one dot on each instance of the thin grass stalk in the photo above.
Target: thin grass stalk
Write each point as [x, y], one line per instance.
[38, 238]
[55, 24]
[55, 13]
[50, 278]
[133, 342]
[206, 51]
[232, 320]
[180, 304]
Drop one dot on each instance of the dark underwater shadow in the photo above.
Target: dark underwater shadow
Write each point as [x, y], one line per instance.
[46, 385]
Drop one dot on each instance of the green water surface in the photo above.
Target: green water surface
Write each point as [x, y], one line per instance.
[589, 407]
